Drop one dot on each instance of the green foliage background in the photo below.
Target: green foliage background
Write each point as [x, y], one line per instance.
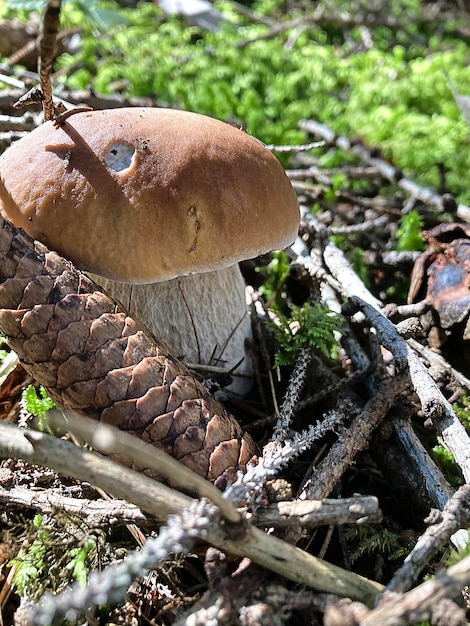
[394, 94]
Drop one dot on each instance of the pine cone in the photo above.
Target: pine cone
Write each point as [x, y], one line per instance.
[97, 361]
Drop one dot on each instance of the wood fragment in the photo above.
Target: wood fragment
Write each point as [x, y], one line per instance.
[434, 404]
[311, 513]
[421, 470]
[437, 360]
[292, 395]
[423, 602]
[415, 468]
[32, 96]
[99, 513]
[96, 513]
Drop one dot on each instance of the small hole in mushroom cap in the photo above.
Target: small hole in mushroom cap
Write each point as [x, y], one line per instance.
[119, 156]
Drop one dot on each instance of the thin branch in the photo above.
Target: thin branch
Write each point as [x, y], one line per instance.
[437, 360]
[297, 148]
[455, 515]
[351, 18]
[47, 44]
[276, 456]
[97, 513]
[41, 449]
[296, 384]
[111, 585]
[434, 404]
[388, 171]
[354, 439]
[421, 603]
[311, 513]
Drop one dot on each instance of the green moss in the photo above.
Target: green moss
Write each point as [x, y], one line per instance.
[306, 326]
[37, 402]
[409, 232]
[462, 410]
[447, 463]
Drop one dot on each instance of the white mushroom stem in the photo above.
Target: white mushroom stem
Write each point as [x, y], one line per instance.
[203, 318]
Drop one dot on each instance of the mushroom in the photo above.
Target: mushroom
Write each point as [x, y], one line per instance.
[160, 206]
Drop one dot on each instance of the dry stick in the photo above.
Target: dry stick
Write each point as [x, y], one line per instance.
[159, 500]
[355, 439]
[66, 458]
[296, 384]
[349, 19]
[71, 98]
[249, 486]
[455, 515]
[426, 474]
[352, 284]
[388, 171]
[426, 471]
[47, 44]
[438, 360]
[422, 602]
[311, 513]
[297, 148]
[109, 586]
[433, 403]
[97, 513]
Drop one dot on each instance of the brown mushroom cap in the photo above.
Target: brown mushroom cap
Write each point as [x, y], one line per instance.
[147, 194]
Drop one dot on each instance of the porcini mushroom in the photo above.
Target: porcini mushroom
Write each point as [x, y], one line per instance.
[162, 205]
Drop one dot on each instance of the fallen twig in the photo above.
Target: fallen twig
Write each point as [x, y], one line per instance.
[292, 395]
[348, 19]
[433, 403]
[437, 360]
[311, 513]
[388, 171]
[97, 513]
[455, 515]
[111, 585]
[353, 440]
[431, 600]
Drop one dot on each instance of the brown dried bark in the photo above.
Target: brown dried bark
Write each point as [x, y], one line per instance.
[96, 360]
